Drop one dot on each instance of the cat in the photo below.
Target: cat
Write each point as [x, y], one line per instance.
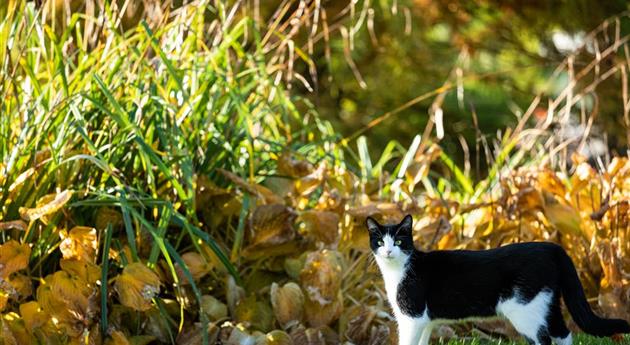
[522, 282]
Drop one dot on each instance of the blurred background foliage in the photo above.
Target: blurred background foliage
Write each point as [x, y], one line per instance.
[500, 54]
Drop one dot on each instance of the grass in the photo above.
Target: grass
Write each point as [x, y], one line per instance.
[578, 339]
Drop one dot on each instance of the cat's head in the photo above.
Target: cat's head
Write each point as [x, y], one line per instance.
[391, 241]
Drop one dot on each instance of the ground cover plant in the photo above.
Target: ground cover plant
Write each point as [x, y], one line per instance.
[160, 183]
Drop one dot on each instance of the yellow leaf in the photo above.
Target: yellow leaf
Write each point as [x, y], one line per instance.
[13, 330]
[105, 216]
[549, 182]
[13, 257]
[261, 192]
[22, 285]
[21, 179]
[86, 271]
[13, 225]
[321, 225]
[117, 338]
[272, 226]
[80, 243]
[287, 302]
[196, 264]
[33, 315]
[71, 290]
[4, 298]
[289, 166]
[529, 200]
[562, 216]
[137, 286]
[48, 204]
[70, 302]
[618, 164]
[307, 184]
[381, 211]
[321, 280]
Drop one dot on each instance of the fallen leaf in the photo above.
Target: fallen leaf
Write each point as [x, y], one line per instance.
[47, 205]
[321, 225]
[137, 286]
[196, 264]
[272, 225]
[287, 303]
[79, 243]
[13, 257]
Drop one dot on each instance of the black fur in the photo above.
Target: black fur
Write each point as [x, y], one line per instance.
[458, 284]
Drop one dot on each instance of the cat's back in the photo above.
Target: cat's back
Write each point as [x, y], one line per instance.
[505, 258]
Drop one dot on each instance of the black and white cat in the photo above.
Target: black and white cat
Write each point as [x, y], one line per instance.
[521, 282]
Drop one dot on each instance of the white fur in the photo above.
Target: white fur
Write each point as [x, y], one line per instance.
[568, 340]
[392, 262]
[410, 329]
[426, 333]
[527, 318]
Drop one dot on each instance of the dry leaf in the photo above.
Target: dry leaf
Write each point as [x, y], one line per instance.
[321, 280]
[359, 320]
[21, 179]
[69, 300]
[321, 225]
[136, 286]
[47, 205]
[275, 337]
[196, 264]
[289, 166]
[33, 315]
[314, 336]
[549, 182]
[255, 313]
[13, 225]
[86, 271]
[234, 294]
[117, 338]
[22, 286]
[213, 308]
[307, 184]
[13, 331]
[13, 257]
[562, 216]
[259, 191]
[80, 243]
[288, 303]
[106, 216]
[272, 225]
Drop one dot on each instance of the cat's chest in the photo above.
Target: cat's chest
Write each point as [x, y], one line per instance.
[393, 275]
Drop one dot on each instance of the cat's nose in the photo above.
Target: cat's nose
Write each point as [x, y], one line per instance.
[389, 252]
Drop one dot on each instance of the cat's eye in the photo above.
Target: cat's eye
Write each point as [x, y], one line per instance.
[398, 242]
[380, 243]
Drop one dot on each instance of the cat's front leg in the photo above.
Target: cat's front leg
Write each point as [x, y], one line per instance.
[410, 330]
[426, 334]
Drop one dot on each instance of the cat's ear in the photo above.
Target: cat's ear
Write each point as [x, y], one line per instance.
[372, 225]
[406, 224]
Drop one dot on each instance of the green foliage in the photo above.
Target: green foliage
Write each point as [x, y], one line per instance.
[497, 55]
[138, 123]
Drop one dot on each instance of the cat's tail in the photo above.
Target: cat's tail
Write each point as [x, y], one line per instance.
[574, 298]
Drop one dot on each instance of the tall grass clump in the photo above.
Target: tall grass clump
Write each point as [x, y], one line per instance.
[118, 154]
